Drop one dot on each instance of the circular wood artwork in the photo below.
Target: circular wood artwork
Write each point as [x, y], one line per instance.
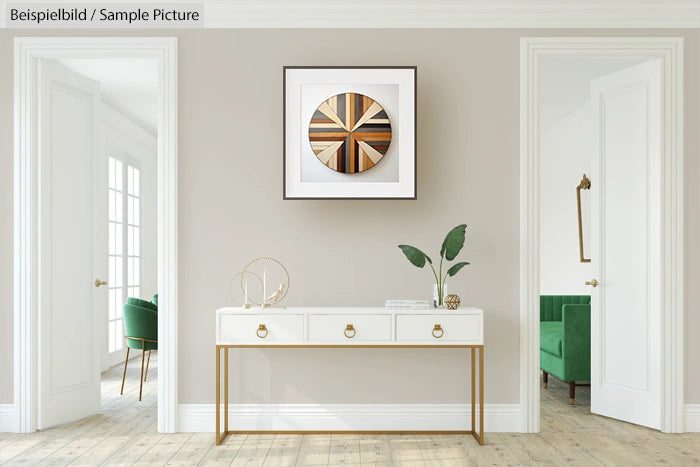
[350, 133]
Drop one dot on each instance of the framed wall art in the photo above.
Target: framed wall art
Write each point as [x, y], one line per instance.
[349, 132]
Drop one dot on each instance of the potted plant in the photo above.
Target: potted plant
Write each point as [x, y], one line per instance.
[451, 246]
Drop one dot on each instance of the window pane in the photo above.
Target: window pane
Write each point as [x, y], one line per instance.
[112, 272]
[137, 182]
[137, 292]
[112, 177]
[118, 277]
[112, 206]
[137, 241]
[130, 240]
[119, 239]
[137, 272]
[118, 299]
[118, 207]
[137, 211]
[130, 210]
[130, 179]
[112, 303]
[118, 172]
[130, 271]
[112, 239]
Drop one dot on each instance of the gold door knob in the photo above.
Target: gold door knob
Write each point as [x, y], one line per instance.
[349, 328]
[592, 283]
[261, 328]
[437, 329]
[99, 282]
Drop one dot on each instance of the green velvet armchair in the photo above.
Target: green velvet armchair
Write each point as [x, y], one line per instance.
[565, 339]
[141, 327]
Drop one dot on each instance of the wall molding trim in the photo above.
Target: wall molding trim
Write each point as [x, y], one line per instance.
[691, 415]
[8, 418]
[446, 14]
[377, 417]
[670, 51]
[27, 263]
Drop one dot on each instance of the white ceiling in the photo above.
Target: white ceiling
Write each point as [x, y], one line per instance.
[128, 84]
[440, 13]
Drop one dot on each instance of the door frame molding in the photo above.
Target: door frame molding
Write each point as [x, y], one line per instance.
[670, 51]
[27, 260]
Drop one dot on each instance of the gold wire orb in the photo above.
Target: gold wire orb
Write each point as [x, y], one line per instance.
[452, 301]
[271, 260]
[241, 274]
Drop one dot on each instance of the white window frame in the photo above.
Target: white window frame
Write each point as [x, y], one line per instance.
[127, 161]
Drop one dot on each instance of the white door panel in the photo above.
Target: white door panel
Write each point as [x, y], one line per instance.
[626, 308]
[71, 240]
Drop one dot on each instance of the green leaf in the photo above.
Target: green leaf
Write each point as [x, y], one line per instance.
[453, 243]
[455, 269]
[415, 256]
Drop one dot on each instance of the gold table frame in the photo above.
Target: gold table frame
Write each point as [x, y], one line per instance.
[479, 436]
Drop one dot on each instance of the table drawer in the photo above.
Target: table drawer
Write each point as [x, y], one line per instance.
[349, 328]
[439, 328]
[260, 328]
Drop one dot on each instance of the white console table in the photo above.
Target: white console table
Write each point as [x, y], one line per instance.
[350, 328]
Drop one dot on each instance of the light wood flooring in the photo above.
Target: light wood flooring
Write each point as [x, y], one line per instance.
[125, 433]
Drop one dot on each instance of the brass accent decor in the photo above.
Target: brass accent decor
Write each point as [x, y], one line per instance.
[262, 328]
[262, 300]
[438, 328]
[584, 185]
[592, 283]
[99, 282]
[452, 301]
[349, 328]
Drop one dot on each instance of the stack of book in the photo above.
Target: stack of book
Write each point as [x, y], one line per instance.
[407, 304]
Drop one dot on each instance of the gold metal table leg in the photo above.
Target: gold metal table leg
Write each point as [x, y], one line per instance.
[473, 382]
[481, 396]
[218, 394]
[225, 391]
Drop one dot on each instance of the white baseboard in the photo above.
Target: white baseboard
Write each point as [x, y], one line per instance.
[8, 418]
[355, 417]
[691, 414]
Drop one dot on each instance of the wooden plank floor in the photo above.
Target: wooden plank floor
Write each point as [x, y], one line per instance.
[125, 433]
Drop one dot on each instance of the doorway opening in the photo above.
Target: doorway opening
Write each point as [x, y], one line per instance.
[96, 221]
[636, 89]
[571, 139]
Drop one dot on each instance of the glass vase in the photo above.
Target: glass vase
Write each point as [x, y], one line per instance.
[439, 295]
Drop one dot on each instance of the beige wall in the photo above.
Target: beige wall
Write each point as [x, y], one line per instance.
[344, 252]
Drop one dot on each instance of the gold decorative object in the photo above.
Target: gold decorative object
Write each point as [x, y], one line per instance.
[261, 296]
[436, 329]
[452, 302]
[584, 185]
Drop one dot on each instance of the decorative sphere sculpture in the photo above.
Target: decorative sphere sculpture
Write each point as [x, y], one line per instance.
[452, 302]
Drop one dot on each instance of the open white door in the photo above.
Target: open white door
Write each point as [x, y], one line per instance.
[625, 245]
[73, 244]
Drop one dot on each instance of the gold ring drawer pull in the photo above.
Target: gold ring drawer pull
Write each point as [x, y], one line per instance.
[262, 328]
[437, 329]
[349, 328]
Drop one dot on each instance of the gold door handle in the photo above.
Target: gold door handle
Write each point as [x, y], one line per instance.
[436, 329]
[348, 329]
[584, 185]
[261, 328]
[592, 283]
[99, 282]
